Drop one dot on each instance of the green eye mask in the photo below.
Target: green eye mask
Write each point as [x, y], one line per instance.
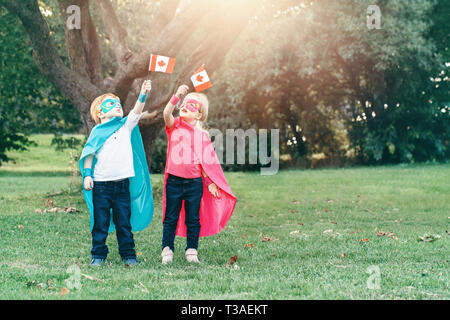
[110, 104]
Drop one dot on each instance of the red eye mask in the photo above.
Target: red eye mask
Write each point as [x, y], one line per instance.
[192, 105]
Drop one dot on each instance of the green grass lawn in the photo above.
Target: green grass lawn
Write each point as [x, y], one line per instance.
[312, 223]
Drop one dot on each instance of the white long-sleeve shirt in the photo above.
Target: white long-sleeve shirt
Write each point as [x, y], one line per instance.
[115, 157]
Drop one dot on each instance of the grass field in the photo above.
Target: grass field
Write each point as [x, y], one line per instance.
[300, 234]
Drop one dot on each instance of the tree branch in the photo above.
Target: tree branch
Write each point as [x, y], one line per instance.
[211, 52]
[169, 41]
[165, 14]
[117, 34]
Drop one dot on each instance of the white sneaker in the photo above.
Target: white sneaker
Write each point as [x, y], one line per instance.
[191, 255]
[167, 255]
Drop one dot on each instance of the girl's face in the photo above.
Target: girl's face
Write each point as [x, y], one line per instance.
[110, 108]
[190, 109]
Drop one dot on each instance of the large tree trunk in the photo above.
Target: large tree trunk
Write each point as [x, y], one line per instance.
[149, 134]
[82, 44]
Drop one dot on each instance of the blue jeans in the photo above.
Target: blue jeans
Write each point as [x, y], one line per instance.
[177, 190]
[113, 195]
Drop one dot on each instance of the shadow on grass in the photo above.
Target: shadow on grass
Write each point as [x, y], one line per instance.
[10, 173]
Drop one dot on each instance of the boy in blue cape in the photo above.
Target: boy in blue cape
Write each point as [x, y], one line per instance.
[116, 181]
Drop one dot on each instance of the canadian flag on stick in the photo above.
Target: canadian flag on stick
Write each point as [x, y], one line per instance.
[161, 63]
[201, 80]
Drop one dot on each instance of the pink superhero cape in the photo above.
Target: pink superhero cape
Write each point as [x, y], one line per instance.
[214, 212]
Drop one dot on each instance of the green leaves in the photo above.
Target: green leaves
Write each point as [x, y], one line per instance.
[28, 102]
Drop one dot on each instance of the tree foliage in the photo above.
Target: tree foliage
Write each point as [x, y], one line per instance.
[336, 89]
[332, 85]
[29, 102]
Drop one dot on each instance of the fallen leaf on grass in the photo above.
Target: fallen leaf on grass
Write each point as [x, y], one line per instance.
[428, 238]
[342, 256]
[232, 260]
[49, 202]
[52, 208]
[333, 222]
[20, 226]
[248, 245]
[267, 239]
[364, 240]
[64, 291]
[332, 233]
[58, 209]
[300, 223]
[384, 234]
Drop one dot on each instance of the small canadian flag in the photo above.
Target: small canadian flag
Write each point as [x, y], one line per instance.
[201, 80]
[161, 63]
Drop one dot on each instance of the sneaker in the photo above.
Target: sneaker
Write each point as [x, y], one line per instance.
[191, 255]
[97, 262]
[130, 262]
[167, 255]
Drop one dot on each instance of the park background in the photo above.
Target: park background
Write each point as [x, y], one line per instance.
[367, 108]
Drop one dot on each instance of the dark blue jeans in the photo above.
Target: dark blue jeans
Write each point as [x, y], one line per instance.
[113, 195]
[177, 190]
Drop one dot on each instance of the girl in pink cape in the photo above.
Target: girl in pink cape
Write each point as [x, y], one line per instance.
[197, 200]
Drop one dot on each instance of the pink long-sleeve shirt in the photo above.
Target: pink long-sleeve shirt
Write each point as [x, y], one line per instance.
[182, 161]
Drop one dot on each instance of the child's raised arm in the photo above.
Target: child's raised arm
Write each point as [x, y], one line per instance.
[140, 103]
[168, 117]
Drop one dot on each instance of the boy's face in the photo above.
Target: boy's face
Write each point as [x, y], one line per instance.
[110, 108]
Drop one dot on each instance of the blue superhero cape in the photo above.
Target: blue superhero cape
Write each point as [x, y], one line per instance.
[141, 193]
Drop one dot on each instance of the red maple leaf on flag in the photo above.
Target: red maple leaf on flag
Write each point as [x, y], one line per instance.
[161, 63]
[201, 80]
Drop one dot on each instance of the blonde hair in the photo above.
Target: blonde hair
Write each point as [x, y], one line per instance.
[203, 110]
[95, 105]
